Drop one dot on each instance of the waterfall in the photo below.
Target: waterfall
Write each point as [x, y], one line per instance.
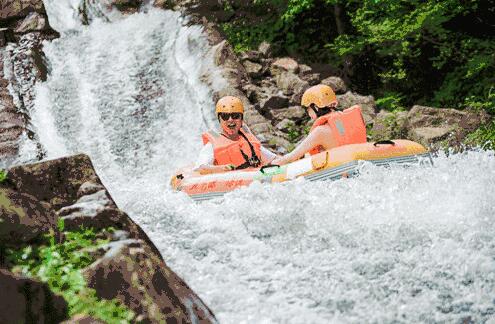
[394, 244]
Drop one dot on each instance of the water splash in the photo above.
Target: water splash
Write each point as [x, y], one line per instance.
[397, 244]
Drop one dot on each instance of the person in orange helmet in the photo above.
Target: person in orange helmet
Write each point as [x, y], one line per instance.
[331, 128]
[235, 148]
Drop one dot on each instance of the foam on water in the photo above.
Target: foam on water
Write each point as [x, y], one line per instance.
[400, 244]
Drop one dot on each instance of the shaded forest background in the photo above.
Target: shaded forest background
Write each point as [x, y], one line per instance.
[438, 53]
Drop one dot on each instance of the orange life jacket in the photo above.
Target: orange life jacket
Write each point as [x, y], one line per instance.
[347, 126]
[227, 151]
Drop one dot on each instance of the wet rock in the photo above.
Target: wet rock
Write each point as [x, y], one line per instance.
[33, 22]
[89, 188]
[20, 8]
[254, 70]
[12, 123]
[274, 101]
[265, 49]
[132, 273]
[26, 300]
[57, 181]
[94, 210]
[290, 83]
[22, 217]
[336, 83]
[312, 79]
[285, 64]
[367, 103]
[225, 57]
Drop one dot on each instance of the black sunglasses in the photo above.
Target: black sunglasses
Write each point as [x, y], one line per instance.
[226, 116]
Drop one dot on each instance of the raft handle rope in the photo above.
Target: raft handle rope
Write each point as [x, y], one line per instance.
[384, 142]
[262, 170]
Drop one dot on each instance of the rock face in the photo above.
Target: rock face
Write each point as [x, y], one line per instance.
[25, 300]
[130, 268]
[20, 8]
[22, 217]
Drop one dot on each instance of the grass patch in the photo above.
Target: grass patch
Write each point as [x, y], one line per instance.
[3, 175]
[60, 265]
[483, 137]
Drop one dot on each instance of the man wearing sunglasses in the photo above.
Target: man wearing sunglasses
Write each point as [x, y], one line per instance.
[332, 127]
[235, 148]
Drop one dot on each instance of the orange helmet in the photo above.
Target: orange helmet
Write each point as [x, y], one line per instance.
[229, 104]
[320, 95]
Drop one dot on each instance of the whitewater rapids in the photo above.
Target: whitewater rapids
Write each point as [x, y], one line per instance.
[395, 245]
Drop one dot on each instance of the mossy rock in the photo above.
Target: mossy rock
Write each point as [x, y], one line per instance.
[22, 217]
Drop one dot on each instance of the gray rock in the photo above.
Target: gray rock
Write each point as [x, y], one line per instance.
[22, 217]
[429, 125]
[274, 101]
[305, 70]
[265, 49]
[132, 273]
[253, 56]
[292, 113]
[254, 70]
[253, 117]
[290, 83]
[429, 135]
[89, 188]
[336, 83]
[312, 78]
[95, 210]
[27, 300]
[33, 22]
[261, 128]
[285, 64]
[20, 8]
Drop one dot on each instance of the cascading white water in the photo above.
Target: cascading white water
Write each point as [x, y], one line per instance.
[393, 245]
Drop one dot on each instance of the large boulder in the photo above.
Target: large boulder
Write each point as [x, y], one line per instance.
[94, 210]
[57, 181]
[428, 125]
[336, 83]
[290, 83]
[33, 22]
[22, 217]
[24, 300]
[132, 273]
[285, 64]
[20, 8]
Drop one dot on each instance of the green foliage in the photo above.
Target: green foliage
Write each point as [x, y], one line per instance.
[391, 102]
[3, 175]
[60, 265]
[433, 52]
[483, 137]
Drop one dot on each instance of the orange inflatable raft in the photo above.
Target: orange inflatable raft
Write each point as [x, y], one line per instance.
[336, 163]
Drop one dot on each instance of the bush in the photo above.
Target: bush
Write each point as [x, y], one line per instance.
[60, 265]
